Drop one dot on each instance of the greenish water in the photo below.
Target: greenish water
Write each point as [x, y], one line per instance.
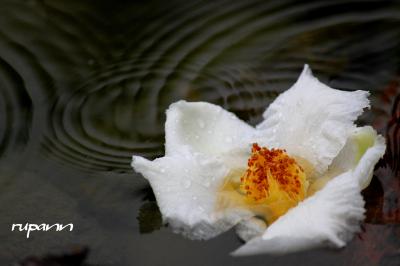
[85, 84]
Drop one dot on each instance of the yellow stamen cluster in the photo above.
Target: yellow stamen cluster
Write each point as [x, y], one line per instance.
[273, 179]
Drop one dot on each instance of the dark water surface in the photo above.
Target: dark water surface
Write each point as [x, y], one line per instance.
[84, 85]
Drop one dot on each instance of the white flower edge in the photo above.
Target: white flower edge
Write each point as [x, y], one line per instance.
[328, 218]
[203, 143]
[205, 128]
[187, 199]
[250, 228]
[359, 146]
[186, 181]
[312, 120]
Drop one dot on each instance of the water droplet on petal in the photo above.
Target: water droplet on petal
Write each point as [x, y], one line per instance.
[162, 170]
[201, 123]
[313, 146]
[186, 183]
[299, 103]
[204, 162]
[228, 139]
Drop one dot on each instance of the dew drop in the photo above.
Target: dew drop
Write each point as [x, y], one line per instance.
[194, 198]
[186, 183]
[299, 103]
[196, 137]
[162, 170]
[313, 146]
[201, 123]
[228, 139]
[204, 163]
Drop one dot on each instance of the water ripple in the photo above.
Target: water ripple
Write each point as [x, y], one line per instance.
[85, 84]
[15, 109]
[107, 86]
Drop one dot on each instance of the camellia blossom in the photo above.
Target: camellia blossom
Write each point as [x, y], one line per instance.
[291, 183]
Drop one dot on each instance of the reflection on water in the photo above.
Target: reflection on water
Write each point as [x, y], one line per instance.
[84, 85]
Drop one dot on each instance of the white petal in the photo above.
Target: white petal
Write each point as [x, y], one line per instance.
[312, 120]
[363, 140]
[205, 128]
[330, 217]
[365, 167]
[186, 186]
[362, 151]
[250, 228]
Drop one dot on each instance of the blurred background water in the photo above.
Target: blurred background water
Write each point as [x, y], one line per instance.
[85, 84]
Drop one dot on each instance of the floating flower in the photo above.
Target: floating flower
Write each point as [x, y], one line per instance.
[291, 183]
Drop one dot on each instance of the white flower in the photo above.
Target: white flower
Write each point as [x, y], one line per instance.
[197, 183]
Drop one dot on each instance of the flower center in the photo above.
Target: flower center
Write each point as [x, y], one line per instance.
[273, 179]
